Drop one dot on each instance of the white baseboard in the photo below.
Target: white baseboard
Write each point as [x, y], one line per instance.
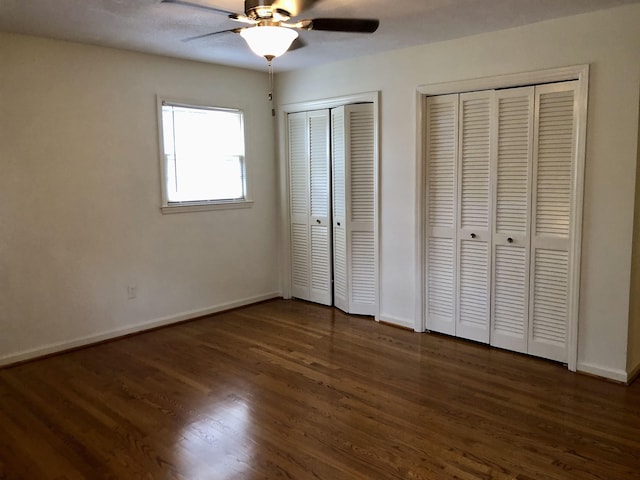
[401, 322]
[610, 373]
[120, 332]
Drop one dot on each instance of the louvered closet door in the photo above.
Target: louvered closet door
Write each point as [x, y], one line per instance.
[340, 254]
[320, 207]
[511, 171]
[299, 203]
[360, 183]
[554, 157]
[353, 157]
[441, 124]
[474, 218]
[310, 206]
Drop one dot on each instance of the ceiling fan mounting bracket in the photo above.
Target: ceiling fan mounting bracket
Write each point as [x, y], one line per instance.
[264, 10]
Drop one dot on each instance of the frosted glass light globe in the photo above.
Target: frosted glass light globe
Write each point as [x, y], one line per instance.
[269, 41]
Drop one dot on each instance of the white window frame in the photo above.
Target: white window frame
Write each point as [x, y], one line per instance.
[197, 205]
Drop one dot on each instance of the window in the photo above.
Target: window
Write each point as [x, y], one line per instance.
[202, 157]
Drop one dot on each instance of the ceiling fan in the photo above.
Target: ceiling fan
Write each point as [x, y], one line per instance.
[270, 33]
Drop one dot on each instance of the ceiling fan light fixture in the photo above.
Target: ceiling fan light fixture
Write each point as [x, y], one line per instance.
[269, 41]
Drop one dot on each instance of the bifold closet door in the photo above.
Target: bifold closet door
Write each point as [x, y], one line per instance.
[353, 173]
[554, 160]
[474, 217]
[458, 246]
[511, 174]
[309, 176]
[441, 131]
[500, 183]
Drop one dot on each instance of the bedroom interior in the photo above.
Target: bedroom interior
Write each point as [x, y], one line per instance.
[261, 385]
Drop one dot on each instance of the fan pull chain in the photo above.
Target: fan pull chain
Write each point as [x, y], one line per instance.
[273, 110]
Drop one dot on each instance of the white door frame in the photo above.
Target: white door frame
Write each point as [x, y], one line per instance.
[283, 177]
[576, 72]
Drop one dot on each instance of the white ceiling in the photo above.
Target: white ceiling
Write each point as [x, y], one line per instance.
[154, 27]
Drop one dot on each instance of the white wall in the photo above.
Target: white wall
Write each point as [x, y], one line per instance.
[80, 197]
[608, 40]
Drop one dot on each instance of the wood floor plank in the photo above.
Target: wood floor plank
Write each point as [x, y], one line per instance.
[288, 389]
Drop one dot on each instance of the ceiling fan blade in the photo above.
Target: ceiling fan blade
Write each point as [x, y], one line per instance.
[198, 37]
[201, 5]
[353, 25]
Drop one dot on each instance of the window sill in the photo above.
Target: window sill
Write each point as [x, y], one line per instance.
[201, 207]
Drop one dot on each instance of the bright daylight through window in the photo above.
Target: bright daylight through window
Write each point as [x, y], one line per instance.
[203, 156]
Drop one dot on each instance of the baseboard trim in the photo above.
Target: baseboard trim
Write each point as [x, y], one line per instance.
[608, 373]
[400, 322]
[59, 347]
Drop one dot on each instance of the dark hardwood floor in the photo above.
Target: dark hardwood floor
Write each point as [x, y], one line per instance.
[287, 389]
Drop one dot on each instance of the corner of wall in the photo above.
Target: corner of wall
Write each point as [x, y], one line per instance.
[633, 336]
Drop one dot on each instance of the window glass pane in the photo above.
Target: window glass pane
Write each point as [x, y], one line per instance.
[204, 154]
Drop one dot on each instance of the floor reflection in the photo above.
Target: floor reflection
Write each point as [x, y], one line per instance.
[218, 445]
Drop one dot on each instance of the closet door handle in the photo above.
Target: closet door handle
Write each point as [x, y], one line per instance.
[473, 235]
[318, 222]
[510, 240]
[338, 223]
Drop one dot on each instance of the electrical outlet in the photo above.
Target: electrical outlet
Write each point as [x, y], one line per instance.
[132, 291]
